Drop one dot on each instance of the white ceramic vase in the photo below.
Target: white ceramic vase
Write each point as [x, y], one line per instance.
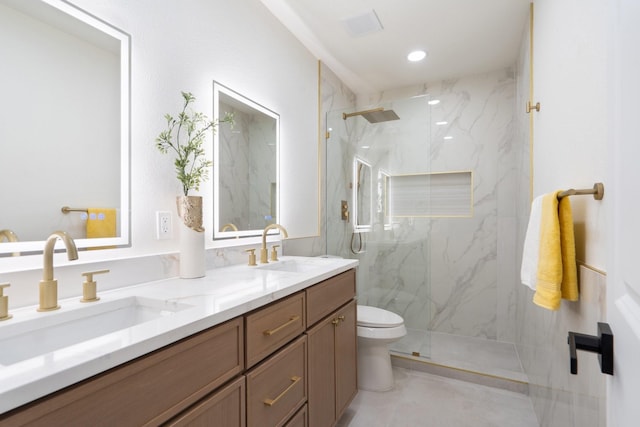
[192, 256]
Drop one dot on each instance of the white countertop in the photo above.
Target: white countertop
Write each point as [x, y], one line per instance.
[224, 293]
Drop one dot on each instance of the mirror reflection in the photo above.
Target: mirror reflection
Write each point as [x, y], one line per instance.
[245, 166]
[382, 204]
[362, 195]
[64, 127]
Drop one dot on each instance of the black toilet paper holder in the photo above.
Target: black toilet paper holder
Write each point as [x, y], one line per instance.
[601, 344]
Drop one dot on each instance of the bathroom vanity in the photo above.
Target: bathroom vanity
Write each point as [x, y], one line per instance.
[255, 346]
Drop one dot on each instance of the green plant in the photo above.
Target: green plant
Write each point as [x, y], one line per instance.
[185, 136]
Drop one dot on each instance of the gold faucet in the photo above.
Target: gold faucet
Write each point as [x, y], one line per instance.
[263, 251]
[229, 225]
[9, 235]
[48, 285]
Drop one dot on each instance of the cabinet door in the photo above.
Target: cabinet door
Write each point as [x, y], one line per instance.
[224, 408]
[321, 368]
[346, 357]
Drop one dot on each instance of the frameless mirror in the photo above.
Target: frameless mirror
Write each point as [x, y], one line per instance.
[64, 132]
[245, 174]
[362, 195]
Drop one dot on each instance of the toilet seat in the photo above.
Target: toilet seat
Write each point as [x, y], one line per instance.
[374, 317]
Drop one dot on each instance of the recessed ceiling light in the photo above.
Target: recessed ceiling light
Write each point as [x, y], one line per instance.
[417, 55]
[448, 137]
[434, 102]
[441, 123]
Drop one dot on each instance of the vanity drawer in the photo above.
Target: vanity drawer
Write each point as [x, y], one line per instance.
[277, 388]
[300, 419]
[327, 296]
[271, 327]
[224, 408]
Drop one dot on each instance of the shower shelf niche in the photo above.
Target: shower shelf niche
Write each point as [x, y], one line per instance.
[441, 194]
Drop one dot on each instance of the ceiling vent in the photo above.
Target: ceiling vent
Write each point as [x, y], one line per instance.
[365, 23]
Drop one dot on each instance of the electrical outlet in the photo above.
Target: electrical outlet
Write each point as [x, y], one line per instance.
[163, 225]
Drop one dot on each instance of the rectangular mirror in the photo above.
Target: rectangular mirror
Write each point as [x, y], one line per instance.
[245, 183]
[362, 195]
[64, 128]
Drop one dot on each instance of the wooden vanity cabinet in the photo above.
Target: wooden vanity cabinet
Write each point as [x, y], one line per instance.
[145, 391]
[332, 361]
[291, 363]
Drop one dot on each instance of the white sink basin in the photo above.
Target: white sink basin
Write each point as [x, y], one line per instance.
[295, 265]
[47, 332]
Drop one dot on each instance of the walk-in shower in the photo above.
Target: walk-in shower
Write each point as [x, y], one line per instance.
[426, 234]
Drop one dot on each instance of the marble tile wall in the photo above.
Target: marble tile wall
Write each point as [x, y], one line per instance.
[452, 275]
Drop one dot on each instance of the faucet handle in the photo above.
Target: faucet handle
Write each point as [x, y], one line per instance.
[274, 252]
[252, 257]
[4, 303]
[89, 286]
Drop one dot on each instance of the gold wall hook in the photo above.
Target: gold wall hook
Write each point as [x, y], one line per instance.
[531, 107]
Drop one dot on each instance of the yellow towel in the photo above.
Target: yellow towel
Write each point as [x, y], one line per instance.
[101, 222]
[556, 273]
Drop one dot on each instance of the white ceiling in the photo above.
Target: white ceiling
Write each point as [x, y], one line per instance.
[462, 37]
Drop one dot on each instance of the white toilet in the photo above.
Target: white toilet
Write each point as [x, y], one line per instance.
[377, 328]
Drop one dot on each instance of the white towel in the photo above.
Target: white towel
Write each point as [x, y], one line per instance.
[531, 252]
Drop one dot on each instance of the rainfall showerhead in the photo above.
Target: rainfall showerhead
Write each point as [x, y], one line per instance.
[376, 115]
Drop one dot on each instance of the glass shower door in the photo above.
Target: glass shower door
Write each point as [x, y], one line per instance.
[364, 154]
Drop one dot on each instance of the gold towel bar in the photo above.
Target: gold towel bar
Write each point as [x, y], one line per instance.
[67, 209]
[597, 191]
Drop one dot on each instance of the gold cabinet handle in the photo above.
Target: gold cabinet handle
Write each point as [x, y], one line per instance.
[337, 320]
[270, 402]
[292, 319]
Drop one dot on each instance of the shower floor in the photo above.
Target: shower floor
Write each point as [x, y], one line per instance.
[476, 355]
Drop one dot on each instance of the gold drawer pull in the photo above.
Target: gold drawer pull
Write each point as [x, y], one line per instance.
[292, 319]
[271, 402]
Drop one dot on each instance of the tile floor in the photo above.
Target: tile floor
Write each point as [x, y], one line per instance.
[420, 399]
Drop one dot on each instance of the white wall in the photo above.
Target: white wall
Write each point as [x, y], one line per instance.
[184, 46]
[570, 141]
[569, 150]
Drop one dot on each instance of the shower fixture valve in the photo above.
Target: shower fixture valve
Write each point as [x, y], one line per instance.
[344, 210]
